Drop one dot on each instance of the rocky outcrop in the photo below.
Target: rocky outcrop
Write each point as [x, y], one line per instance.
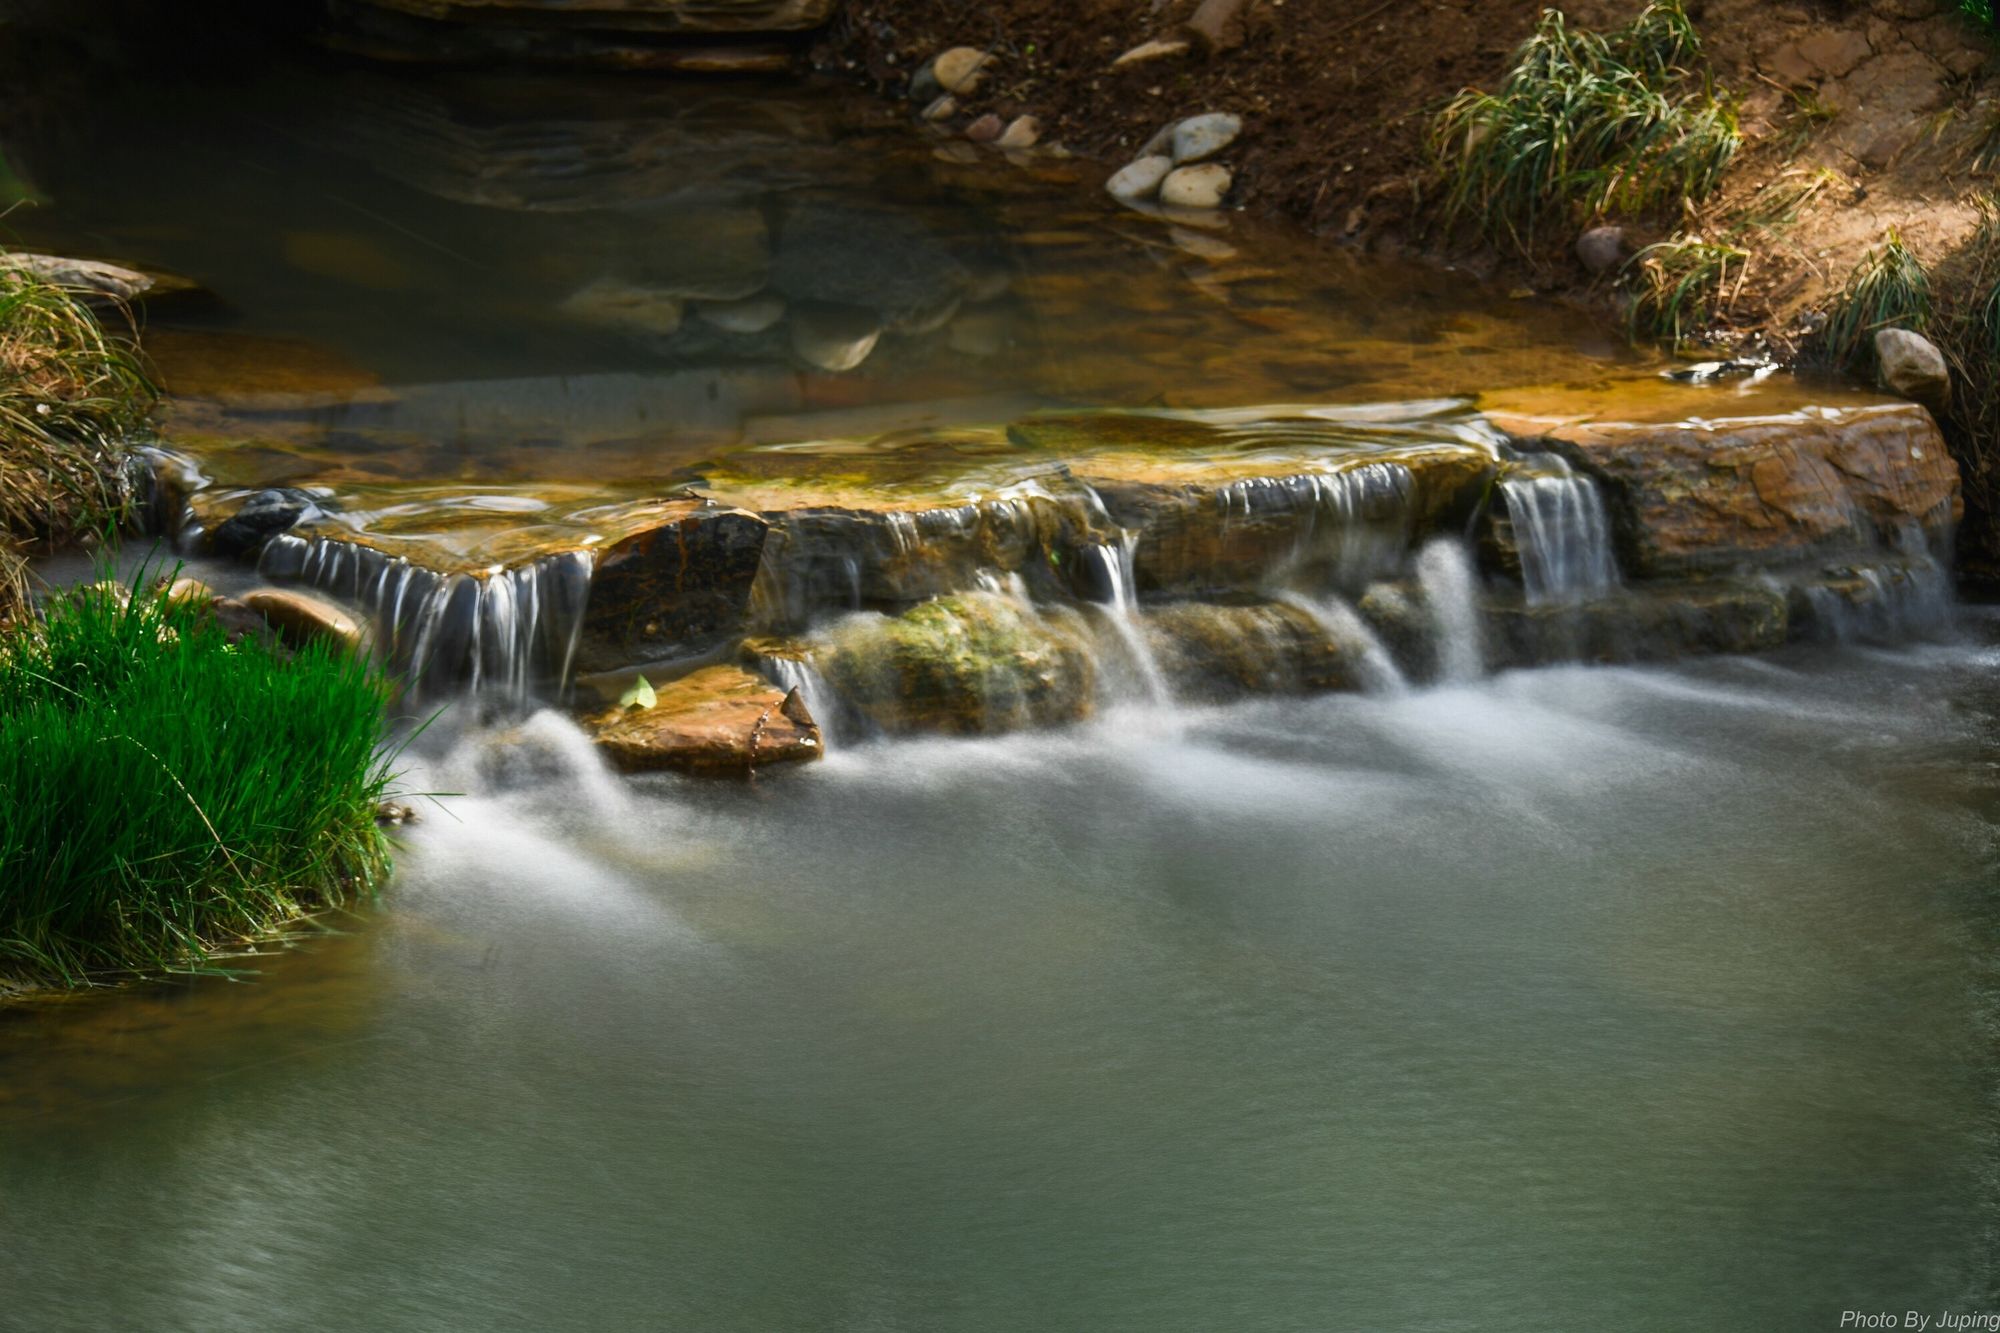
[1699, 496]
[719, 721]
[675, 589]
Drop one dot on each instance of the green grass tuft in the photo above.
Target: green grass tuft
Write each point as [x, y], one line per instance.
[1889, 288]
[1677, 285]
[167, 792]
[1586, 124]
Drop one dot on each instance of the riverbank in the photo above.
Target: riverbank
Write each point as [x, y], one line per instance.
[1858, 121]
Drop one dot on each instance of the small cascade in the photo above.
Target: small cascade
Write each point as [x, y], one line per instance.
[1451, 595]
[507, 633]
[1353, 526]
[1108, 577]
[1888, 602]
[1376, 668]
[1562, 533]
[803, 674]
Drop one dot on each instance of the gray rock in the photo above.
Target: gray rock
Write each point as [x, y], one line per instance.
[1196, 187]
[1601, 249]
[262, 517]
[1200, 137]
[1139, 179]
[1912, 366]
[89, 276]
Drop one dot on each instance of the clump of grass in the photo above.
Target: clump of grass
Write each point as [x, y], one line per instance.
[166, 791]
[1677, 285]
[69, 390]
[1586, 124]
[1889, 288]
[1981, 12]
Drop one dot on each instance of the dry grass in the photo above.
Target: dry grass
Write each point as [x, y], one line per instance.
[69, 391]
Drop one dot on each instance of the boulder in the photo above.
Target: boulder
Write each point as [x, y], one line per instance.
[300, 618]
[720, 721]
[1200, 137]
[1697, 496]
[1219, 651]
[676, 589]
[1139, 179]
[1202, 186]
[1913, 366]
[967, 664]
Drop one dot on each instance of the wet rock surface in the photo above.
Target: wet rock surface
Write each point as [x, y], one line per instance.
[718, 721]
[675, 589]
[1691, 497]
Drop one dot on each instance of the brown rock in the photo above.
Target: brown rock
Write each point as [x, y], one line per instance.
[190, 590]
[677, 588]
[961, 69]
[721, 720]
[300, 618]
[1147, 52]
[1692, 498]
[986, 129]
[1217, 25]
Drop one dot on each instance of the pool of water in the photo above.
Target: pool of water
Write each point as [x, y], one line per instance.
[1636, 999]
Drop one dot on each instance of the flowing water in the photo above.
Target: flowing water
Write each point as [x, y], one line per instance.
[1638, 999]
[1577, 998]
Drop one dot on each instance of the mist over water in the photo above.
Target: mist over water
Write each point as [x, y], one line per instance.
[1580, 997]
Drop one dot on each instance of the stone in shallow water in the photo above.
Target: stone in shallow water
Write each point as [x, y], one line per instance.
[1139, 179]
[1204, 186]
[720, 720]
[301, 618]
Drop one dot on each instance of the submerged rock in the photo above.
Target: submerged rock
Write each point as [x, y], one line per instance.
[720, 720]
[1653, 623]
[966, 664]
[262, 517]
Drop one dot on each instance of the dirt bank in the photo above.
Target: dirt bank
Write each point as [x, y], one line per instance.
[1858, 117]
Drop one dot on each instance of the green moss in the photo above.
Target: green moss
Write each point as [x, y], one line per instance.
[167, 792]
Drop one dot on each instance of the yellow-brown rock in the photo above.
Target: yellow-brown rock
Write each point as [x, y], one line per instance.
[1696, 496]
[721, 720]
[300, 618]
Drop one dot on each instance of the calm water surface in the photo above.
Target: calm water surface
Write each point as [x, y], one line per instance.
[1581, 998]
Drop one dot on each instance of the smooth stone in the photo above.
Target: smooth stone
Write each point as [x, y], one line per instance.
[1204, 136]
[89, 276]
[944, 108]
[835, 338]
[752, 314]
[262, 517]
[961, 69]
[1913, 366]
[1601, 249]
[718, 721]
[1140, 179]
[986, 129]
[1021, 132]
[1196, 187]
[611, 303]
[301, 618]
[1147, 52]
[186, 589]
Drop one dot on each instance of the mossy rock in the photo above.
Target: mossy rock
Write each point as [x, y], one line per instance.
[966, 664]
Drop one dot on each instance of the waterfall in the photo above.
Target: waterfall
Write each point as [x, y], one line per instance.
[1562, 533]
[1337, 620]
[803, 675]
[1353, 524]
[1108, 575]
[504, 632]
[1451, 595]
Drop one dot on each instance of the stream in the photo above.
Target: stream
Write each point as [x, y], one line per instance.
[1480, 996]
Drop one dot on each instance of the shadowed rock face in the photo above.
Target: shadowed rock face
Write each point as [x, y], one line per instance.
[673, 590]
[1697, 497]
[720, 721]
